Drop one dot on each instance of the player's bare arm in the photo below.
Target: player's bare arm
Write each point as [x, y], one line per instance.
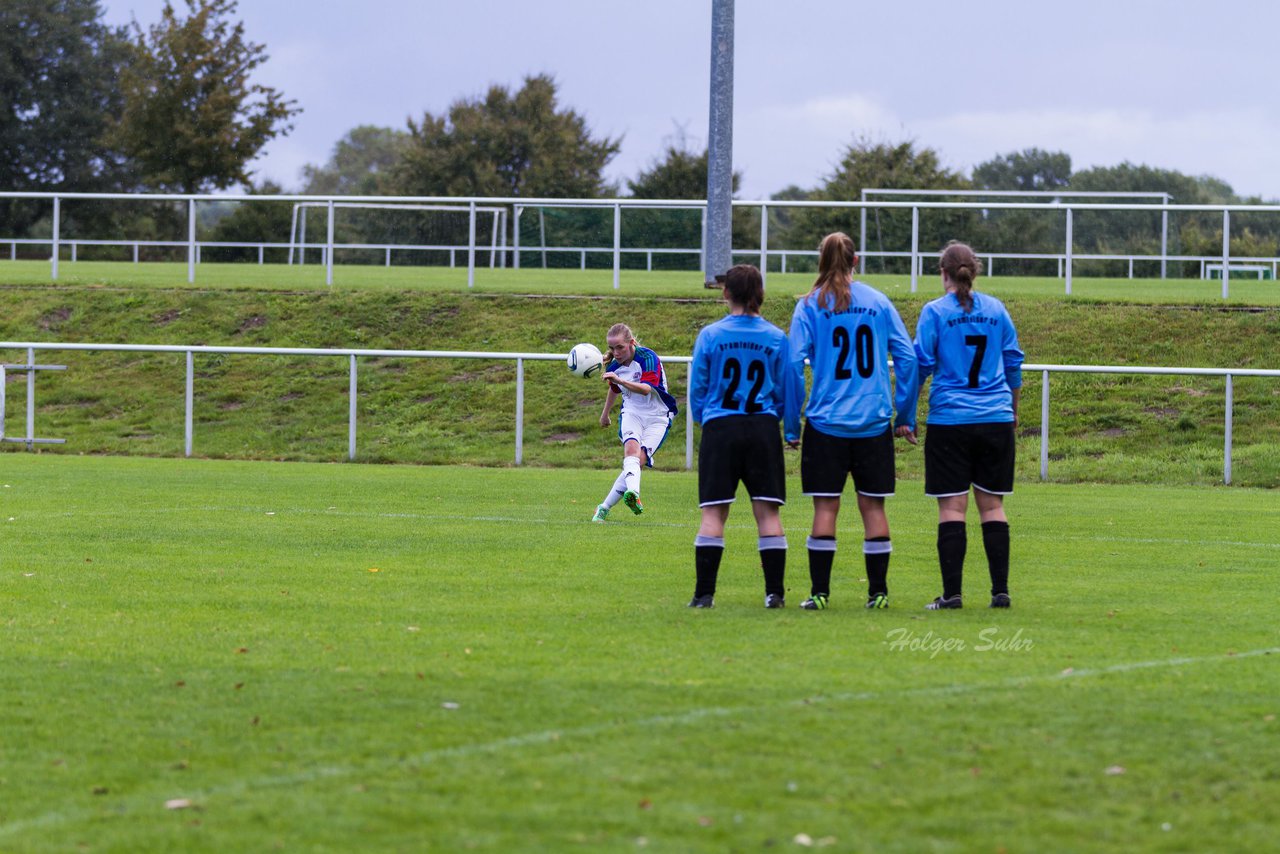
[638, 388]
[608, 403]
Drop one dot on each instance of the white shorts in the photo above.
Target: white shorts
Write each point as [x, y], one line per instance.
[649, 430]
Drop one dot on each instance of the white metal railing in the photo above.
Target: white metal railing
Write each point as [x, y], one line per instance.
[520, 358]
[475, 204]
[189, 351]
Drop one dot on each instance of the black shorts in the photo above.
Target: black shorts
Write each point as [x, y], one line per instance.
[957, 456]
[746, 448]
[826, 460]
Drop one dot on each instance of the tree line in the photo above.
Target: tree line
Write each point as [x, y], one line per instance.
[173, 107]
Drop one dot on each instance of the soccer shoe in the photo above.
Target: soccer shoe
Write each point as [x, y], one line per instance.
[707, 601]
[942, 603]
[878, 601]
[773, 600]
[816, 602]
[1000, 600]
[602, 514]
[632, 500]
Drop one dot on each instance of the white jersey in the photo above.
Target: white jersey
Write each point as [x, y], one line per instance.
[645, 368]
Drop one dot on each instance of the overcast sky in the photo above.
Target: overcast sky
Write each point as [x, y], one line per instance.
[1174, 84]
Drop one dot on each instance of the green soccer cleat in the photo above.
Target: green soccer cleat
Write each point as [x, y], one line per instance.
[631, 498]
[878, 601]
[816, 602]
[602, 514]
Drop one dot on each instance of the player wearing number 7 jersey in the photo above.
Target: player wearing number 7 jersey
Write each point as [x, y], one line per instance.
[846, 330]
[966, 340]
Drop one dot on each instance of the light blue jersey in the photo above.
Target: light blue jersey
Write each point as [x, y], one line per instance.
[739, 368]
[974, 358]
[852, 395]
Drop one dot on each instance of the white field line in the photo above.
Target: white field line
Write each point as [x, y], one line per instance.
[744, 522]
[141, 805]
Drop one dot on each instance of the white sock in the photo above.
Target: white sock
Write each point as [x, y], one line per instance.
[615, 494]
[631, 474]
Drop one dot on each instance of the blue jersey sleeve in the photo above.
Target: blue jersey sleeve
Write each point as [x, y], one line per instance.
[906, 372]
[800, 348]
[1012, 354]
[699, 376]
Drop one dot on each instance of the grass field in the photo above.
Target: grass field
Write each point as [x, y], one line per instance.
[599, 282]
[217, 656]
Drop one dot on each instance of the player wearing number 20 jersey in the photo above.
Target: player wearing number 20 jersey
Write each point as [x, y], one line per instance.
[846, 330]
[848, 353]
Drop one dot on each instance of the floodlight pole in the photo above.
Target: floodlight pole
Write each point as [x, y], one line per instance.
[717, 239]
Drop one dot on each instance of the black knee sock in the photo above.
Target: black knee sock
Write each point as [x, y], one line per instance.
[952, 542]
[707, 552]
[822, 553]
[773, 560]
[875, 552]
[995, 539]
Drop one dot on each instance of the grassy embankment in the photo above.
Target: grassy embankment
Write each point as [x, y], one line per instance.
[1102, 428]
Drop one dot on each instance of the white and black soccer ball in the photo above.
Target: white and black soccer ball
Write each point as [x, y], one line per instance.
[585, 361]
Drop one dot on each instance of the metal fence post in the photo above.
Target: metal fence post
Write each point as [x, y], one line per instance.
[688, 421]
[1164, 240]
[328, 248]
[57, 211]
[31, 397]
[1070, 241]
[519, 411]
[1044, 425]
[862, 227]
[764, 244]
[1226, 454]
[617, 246]
[190, 398]
[915, 246]
[515, 237]
[471, 245]
[351, 410]
[1226, 250]
[191, 241]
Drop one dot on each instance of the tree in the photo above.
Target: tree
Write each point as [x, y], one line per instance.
[680, 174]
[360, 164]
[58, 66]
[1138, 233]
[1029, 170]
[255, 222]
[1025, 231]
[192, 118]
[867, 165]
[506, 145]
[510, 145]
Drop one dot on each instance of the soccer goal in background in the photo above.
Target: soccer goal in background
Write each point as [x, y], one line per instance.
[418, 234]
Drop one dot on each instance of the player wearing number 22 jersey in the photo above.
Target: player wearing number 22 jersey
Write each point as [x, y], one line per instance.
[737, 392]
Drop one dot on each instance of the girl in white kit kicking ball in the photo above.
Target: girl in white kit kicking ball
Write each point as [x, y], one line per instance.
[635, 374]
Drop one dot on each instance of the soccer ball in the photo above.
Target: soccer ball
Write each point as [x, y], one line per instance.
[585, 361]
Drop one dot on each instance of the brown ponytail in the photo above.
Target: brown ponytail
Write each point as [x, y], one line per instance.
[837, 258]
[961, 266]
